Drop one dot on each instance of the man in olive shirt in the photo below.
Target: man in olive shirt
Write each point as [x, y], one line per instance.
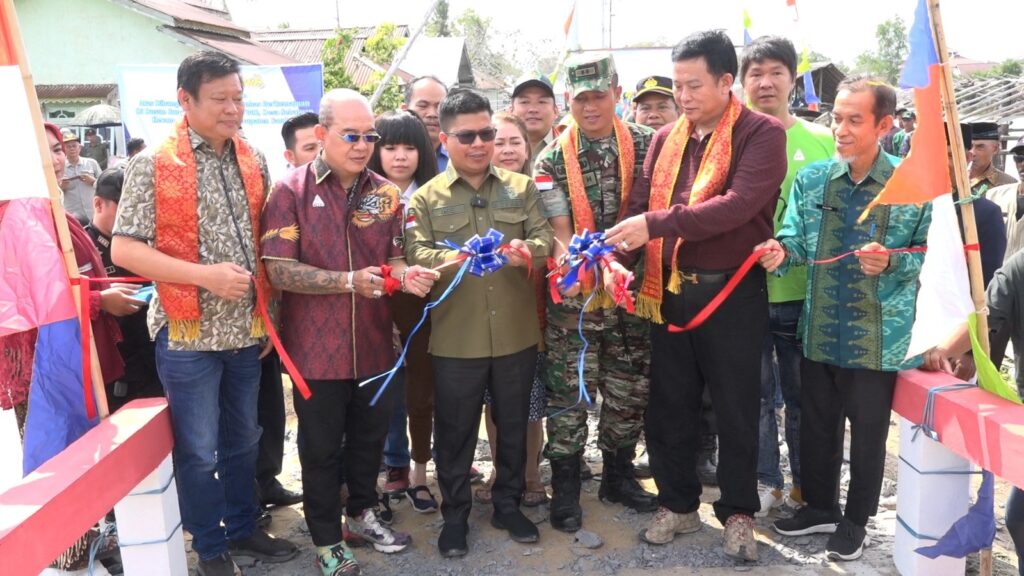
[480, 336]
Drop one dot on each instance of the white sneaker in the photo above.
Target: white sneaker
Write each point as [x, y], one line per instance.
[383, 538]
[770, 498]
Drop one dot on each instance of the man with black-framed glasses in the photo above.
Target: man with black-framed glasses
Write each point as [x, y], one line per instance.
[328, 229]
[485, 335]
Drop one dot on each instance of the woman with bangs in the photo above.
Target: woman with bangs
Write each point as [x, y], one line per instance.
[404, 156]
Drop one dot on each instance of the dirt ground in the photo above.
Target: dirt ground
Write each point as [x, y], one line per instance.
[491, 552]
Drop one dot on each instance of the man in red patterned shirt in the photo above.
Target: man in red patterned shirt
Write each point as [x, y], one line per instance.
[328, 229]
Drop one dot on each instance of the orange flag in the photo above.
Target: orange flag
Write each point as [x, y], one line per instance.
[922, 175]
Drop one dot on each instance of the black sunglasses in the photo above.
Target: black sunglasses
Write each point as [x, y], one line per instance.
[467, 137]
[351, 138]
[1018, 158]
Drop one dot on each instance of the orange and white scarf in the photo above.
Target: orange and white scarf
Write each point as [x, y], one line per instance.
[177, 225]
[582, 213]
[710, 181]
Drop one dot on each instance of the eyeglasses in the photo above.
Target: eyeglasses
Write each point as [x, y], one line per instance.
[467, 137]
[369, 137]
[1018, 158]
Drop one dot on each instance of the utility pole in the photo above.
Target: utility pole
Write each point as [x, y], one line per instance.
[401, 55]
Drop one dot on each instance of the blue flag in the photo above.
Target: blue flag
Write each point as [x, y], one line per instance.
[56, 403]
[976, 530]
[922, 50]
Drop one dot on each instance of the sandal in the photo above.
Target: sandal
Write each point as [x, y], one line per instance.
[534, 495]
[483, 494]
[422, 505]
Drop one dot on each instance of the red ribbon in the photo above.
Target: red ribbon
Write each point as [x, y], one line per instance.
[744, 268]
[554, 277]
[85, 326]
[391, 285]
[710, 307]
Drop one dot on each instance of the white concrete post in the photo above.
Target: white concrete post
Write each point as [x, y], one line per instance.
[149, 526]
[933, 493]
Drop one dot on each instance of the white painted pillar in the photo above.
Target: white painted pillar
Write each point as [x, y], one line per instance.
[149, 526]
[933, 492]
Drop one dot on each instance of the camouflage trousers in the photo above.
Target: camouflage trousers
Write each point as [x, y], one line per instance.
[617, 364]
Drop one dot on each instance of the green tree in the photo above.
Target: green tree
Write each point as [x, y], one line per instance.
[477, 31]
[1009, 67]
[333, 56]
[887, 60]
[439, 25]
[383, 45]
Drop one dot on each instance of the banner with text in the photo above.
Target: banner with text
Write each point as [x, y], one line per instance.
[272, 95]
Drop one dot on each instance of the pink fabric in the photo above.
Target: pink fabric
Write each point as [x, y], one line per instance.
[34, 287]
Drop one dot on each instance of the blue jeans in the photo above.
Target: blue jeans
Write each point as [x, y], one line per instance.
[396, 446]
[780, 368]
[212, 398]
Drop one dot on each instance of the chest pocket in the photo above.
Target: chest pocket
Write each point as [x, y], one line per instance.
[452, 226]
[510, 223]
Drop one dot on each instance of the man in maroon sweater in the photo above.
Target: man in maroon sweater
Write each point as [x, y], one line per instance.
[709, 235]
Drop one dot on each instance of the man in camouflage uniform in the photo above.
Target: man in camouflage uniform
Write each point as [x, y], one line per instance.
[618, 355]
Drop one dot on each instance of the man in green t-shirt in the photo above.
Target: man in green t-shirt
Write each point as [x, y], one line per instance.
[768, 72]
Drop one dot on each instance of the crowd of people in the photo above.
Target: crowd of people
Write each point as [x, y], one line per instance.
[365, 231]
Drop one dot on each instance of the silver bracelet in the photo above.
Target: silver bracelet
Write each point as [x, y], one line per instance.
[401, 279]
[348, 283]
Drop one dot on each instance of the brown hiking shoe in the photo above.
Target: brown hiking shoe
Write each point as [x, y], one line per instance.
[739, 541]
[666, 524]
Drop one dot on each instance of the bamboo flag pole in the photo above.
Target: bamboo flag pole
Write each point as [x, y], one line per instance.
[963, 185]
[59, 219]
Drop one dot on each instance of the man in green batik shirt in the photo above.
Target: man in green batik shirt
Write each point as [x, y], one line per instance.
[857, 315]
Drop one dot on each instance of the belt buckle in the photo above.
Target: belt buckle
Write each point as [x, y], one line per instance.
[689, 277]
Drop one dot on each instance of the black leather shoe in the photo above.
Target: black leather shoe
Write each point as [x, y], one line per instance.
[519, 527]
[265, 547]
[452, 542]
[278, 495]
[619, 483]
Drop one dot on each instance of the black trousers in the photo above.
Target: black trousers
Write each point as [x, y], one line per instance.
[725, 355]
[270, 417]
[459, 388]
[829, 395]
[340, 410]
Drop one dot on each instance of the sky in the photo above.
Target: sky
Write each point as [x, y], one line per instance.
[978, 29]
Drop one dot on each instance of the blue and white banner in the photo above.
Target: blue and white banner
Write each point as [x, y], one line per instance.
[272, 95]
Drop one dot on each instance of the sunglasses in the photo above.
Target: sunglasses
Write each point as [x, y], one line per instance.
[467, 137]
[1018, 158]
[369, 137]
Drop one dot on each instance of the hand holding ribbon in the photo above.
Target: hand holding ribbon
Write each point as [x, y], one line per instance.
[480, 256]
[483, 253]
[391, 284]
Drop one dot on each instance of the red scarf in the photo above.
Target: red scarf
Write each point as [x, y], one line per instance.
[710, 181]
[177, 226]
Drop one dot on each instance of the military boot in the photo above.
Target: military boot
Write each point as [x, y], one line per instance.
[566, 514]
[619, 483]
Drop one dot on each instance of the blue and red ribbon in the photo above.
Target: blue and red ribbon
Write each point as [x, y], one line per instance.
[480, 256]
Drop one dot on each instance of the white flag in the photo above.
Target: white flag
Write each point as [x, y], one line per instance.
[944, 296]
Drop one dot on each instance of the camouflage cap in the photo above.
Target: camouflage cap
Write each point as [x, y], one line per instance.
[589, 71]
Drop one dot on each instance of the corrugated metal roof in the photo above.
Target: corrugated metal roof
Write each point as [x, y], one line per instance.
[990, 99]
[69, 91]
[308, 46]
[184, 15]
[245, 50]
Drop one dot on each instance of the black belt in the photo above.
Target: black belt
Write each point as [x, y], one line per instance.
[692, 276]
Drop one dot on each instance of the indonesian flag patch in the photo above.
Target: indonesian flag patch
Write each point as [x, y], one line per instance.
[410, 221]
[544, 182]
